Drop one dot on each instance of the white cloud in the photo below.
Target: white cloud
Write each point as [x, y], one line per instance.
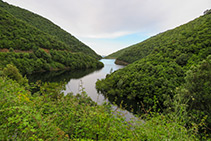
[109, 35]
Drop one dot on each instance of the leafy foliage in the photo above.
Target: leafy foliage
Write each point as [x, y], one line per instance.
[49, 115]
[12, 72]
[197, 89]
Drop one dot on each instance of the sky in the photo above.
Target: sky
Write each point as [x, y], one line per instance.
[110, 25]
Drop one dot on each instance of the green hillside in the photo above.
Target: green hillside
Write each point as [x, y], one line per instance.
[19, 35]
[173, 62]
[33, 50]
[50, 28]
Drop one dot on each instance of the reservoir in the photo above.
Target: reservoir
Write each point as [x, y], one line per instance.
[88, 81]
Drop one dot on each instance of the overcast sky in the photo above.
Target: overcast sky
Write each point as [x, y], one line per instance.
[109, 25]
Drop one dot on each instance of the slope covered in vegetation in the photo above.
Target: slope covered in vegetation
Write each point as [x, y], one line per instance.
[33, 50]
[163, 66]
[43, 24]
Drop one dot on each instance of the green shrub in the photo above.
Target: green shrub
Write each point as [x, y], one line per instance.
[49, 115]
[12, 72]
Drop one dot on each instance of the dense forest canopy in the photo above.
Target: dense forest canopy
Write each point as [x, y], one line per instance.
[32, 49]
[161, 64]
[43, 24]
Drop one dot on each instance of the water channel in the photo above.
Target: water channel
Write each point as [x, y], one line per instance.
[86, 79]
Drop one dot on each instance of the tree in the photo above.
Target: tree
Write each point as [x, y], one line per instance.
[198, 89]
[208, 11]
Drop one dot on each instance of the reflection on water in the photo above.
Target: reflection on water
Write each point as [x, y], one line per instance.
[58, 76]
[129, 105]
[87, 79]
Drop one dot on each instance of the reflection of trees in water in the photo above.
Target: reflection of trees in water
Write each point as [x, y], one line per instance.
[58, 76]
[132, 106]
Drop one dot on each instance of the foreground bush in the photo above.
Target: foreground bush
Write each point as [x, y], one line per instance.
[49, 115]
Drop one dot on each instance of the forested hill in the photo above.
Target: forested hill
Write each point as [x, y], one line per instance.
[19, 35]
[185, 38]
[50, 28]
[32, 50]
[176, 62]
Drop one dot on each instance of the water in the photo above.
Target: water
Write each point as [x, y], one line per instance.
[86, 79]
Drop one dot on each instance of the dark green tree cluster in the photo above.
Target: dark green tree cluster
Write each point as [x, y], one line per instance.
[46, 26]
[75, 60]
[39, 60]
[163, 61]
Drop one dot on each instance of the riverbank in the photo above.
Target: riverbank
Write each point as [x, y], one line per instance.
[119, 62]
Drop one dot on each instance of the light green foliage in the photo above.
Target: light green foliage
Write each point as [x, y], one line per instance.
[49, 115]
[18, 119]
[13, 73]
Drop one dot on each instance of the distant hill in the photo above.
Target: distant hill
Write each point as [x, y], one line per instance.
[177, 61]
[33, 50]
[50, 28]
[117, 54]
[185, 36]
